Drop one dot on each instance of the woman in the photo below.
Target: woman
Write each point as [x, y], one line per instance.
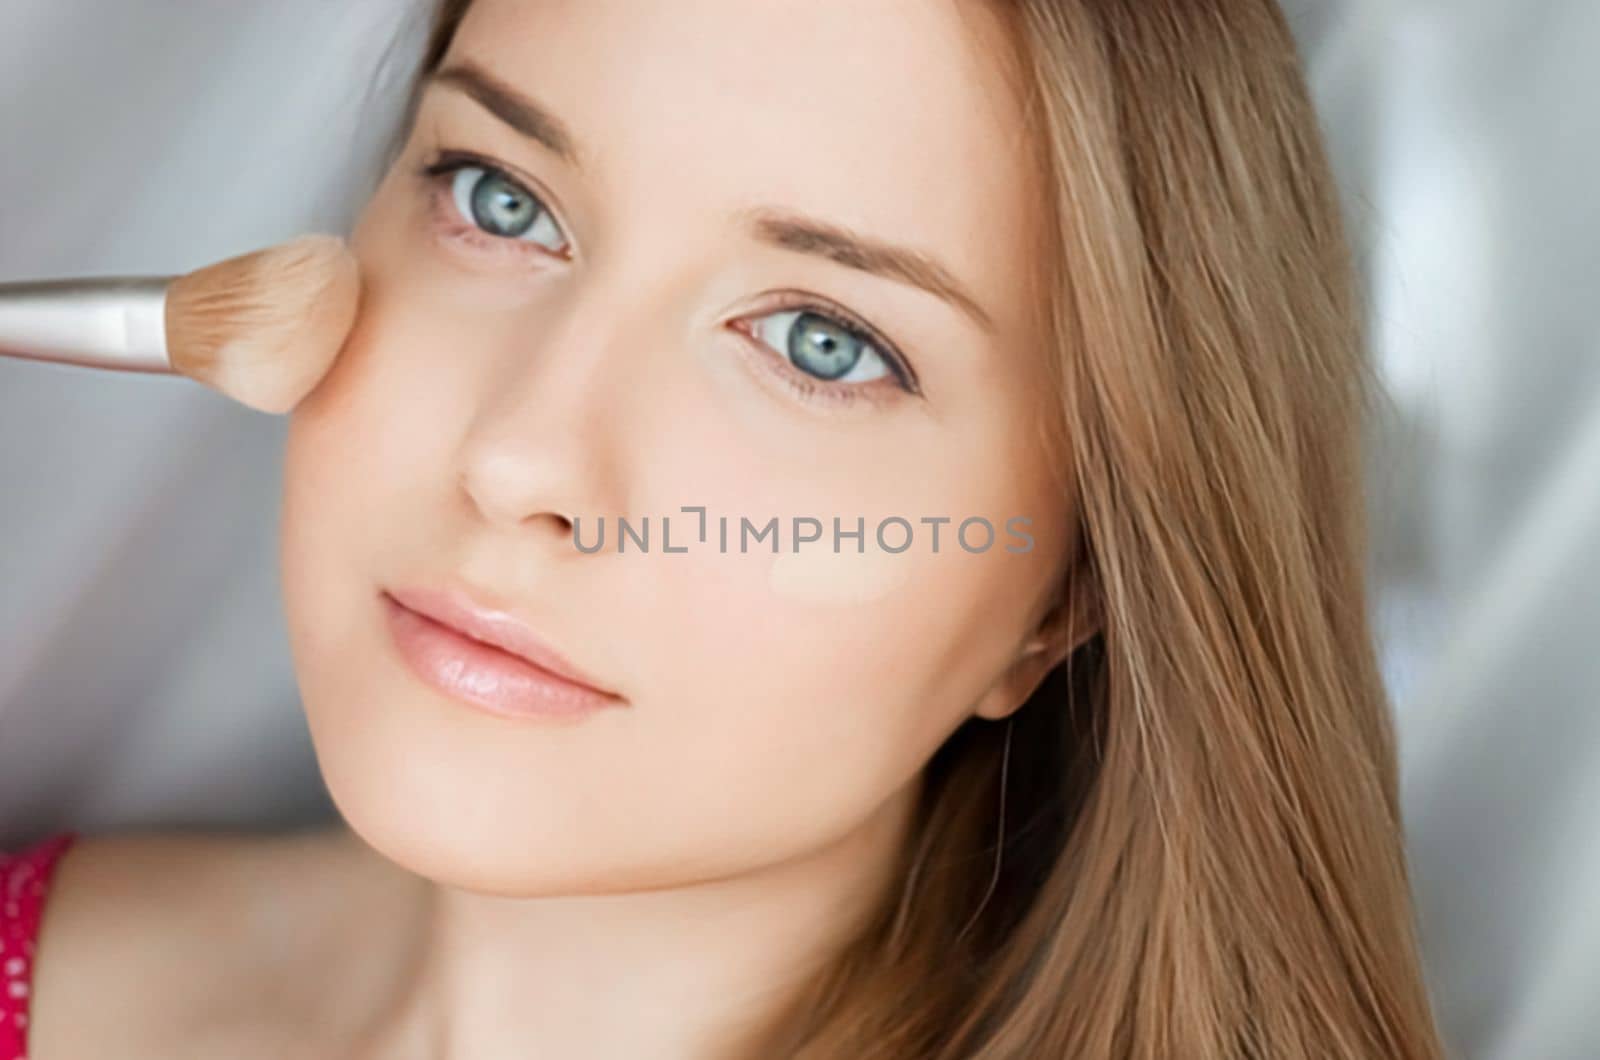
[1104, 771]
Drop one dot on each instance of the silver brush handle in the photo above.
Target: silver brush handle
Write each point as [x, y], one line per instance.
[116, 323]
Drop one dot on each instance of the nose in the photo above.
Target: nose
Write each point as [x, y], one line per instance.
[542, 450]
[511, 491]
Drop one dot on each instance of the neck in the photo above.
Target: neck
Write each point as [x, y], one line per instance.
[687, 971]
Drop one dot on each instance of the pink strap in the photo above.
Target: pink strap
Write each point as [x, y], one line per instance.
[24, 884]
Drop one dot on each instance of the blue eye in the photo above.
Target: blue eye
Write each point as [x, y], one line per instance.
[822, 347]
[503, 208]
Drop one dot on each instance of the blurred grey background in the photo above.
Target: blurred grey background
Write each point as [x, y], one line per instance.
[144, 671]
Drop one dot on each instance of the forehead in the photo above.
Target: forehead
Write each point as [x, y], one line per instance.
[894, 117]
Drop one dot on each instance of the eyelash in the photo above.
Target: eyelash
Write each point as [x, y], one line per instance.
[803, 385]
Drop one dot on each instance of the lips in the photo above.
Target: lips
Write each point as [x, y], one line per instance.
[487, 657]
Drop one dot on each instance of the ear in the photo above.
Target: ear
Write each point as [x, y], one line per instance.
[1072, 621]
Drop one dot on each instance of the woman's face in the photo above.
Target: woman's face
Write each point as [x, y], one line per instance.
[643, 322]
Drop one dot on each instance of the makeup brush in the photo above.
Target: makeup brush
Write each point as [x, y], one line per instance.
[262, 328]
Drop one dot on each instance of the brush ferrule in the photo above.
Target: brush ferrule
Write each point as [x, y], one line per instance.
[116, 323]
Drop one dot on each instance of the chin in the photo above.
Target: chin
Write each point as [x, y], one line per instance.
[426, 797]
[453, 795]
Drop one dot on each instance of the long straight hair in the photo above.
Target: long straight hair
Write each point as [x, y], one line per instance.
[1202, 847]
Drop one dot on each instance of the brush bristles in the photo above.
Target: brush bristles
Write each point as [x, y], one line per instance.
[265, 327]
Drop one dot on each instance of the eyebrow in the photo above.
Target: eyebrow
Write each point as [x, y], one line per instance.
[773, 226]
[523, 114]
[804, 235]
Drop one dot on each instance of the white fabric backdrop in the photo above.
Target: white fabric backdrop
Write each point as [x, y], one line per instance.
[144, 674]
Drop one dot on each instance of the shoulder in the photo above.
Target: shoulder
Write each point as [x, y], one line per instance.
[145, 888]
[144, 930]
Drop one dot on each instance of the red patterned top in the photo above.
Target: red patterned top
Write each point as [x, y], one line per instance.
[24, 884]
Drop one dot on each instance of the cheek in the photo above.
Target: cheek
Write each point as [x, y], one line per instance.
[782, 724]
[363, 436]
[810, 687]
[807, 688]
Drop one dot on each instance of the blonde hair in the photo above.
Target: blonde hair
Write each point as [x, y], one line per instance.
[1202, 851]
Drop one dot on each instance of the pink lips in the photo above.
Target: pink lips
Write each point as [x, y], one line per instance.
[487, 658]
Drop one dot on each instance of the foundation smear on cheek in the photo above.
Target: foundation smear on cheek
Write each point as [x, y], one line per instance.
[818, 575]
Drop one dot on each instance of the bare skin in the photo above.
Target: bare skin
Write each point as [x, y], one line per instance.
[235, 944]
